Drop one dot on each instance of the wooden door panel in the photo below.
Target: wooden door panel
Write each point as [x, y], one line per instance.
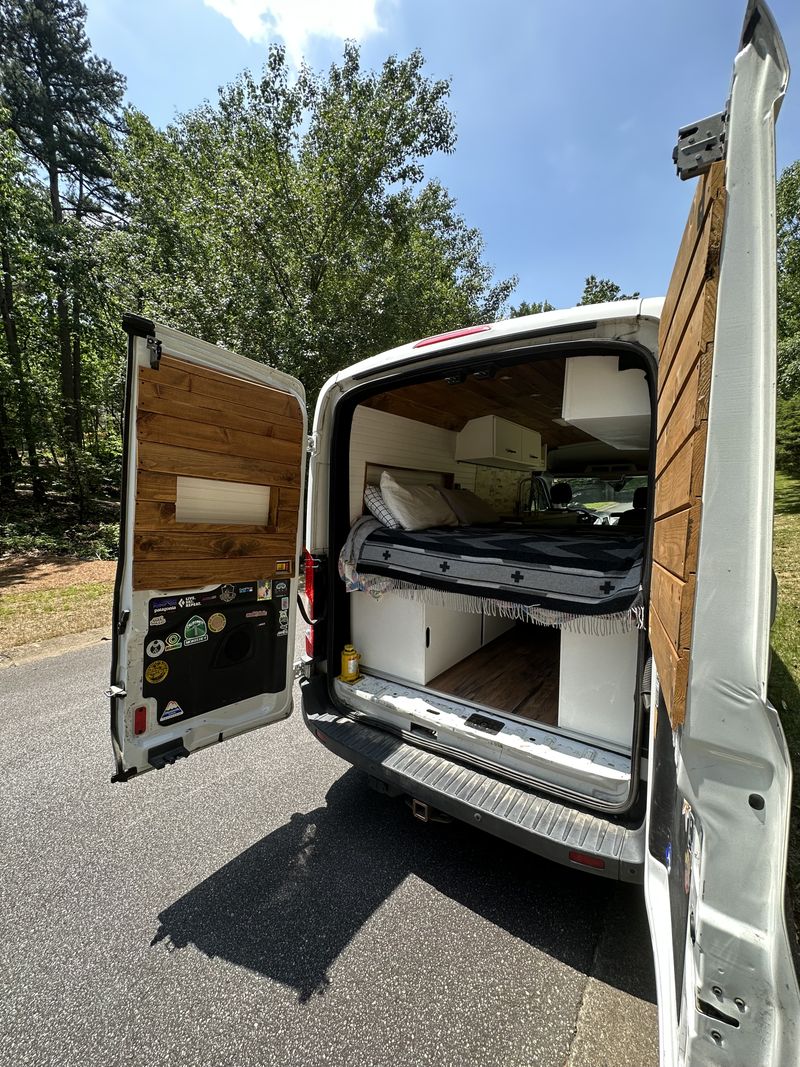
[686, 352]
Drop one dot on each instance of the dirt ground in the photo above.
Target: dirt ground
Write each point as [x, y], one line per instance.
[24, 573]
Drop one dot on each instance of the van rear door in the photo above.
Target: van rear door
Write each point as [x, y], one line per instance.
[720, 775]
[204, 600]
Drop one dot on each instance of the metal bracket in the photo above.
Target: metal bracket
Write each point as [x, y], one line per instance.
[115, 691]
[311, 444]
[154, 348]
[699, 145]
[122, 623]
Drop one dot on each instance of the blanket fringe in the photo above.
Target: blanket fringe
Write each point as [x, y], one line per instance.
[599, 625]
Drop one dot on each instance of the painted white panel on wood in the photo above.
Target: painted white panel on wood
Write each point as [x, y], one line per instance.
[380, 437]
[224, 503]
[597, 678]
[408, 639]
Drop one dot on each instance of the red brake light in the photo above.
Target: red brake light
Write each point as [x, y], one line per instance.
[139, 720]
[588, 861]
[308, 572]
[449, 336]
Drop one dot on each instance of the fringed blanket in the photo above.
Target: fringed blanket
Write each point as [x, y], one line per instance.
[585, 579]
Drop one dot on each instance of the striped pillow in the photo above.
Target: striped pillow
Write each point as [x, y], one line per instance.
[376, 506]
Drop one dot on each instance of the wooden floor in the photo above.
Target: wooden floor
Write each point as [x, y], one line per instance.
[517, 672]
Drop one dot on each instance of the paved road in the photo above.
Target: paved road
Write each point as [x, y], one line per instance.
[258, 904]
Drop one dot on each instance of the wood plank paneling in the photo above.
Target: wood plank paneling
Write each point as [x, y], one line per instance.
[686, 341]
[163, 400]
[210, 437]
[170, 459]
[184, 574]
[195, 422]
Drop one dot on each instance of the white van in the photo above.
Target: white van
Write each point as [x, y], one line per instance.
[549, 541]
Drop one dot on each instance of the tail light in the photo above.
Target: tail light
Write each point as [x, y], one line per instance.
[309, 566]
[587, 860]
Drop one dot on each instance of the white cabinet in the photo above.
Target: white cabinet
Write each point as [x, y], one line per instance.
[596, 685]
[494, 626]
[610, 404]
[409, 639]
[495, 442]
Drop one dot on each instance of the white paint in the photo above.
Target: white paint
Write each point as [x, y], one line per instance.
[609, 404]
[223, 503]
[410, 639]
[597, 676]
[380, 438]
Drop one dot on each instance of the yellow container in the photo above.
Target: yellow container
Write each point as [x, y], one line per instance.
[350, 661]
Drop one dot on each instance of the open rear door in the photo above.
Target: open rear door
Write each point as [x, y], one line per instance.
[204, 605]
[720, 775]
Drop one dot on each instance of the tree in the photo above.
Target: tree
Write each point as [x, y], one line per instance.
[18, 209]
[601, 290]
[62, 103]
[291, 222]
[787, 454]
[524, 308]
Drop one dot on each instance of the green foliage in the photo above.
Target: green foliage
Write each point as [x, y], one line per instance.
[536, 308]
[788, 216]
[290, 221]
[602, 290]
[787, 456]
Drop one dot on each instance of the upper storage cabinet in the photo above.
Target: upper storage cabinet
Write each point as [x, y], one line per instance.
[610, 404]
[495, 442]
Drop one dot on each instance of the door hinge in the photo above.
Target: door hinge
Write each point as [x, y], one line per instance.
[122, 623]
[699, 145]
[154, 348]
[115, 691]
[311, 444]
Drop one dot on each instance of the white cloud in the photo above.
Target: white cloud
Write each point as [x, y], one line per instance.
[295, 21]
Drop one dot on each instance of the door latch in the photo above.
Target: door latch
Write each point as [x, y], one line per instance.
[699, 145]
[154, 348]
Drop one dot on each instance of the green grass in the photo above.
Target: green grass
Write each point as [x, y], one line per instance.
[41, 613]
[784, 680]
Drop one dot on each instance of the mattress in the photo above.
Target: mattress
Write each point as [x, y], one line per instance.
[591, 571]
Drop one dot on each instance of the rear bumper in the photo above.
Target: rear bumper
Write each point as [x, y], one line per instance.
[513, 813]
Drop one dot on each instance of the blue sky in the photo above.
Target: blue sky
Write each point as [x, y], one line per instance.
[566, 111]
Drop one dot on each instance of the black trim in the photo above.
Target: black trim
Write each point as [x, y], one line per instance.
[136, 326]
[132, 325]
[483, 343]
[634, 354]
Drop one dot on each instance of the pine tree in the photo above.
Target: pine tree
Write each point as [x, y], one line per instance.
[62, 102]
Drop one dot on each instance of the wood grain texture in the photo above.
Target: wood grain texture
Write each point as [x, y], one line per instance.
[527, 394]
[686, 343]
[515, 673]
[195, 422]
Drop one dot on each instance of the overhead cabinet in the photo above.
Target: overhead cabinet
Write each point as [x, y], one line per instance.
[495, 442]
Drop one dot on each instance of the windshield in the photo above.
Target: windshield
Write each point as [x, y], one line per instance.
[603, 494]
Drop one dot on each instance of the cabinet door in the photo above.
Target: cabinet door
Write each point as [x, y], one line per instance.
[531, 447]
[507, 440]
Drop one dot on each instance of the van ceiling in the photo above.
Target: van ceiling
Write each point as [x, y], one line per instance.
[528, 393]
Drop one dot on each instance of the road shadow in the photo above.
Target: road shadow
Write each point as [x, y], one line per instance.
[289, 905]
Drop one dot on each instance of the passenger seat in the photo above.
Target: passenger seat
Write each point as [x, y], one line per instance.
[638, 513]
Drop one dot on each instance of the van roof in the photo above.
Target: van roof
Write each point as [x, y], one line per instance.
[509, 329]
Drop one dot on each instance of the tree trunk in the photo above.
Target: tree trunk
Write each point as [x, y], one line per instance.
[9, 458]
[15, 359]
[71, 421]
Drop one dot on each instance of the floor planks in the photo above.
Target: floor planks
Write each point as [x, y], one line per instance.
[517, 672]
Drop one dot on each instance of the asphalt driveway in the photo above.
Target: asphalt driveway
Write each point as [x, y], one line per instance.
[259, 904]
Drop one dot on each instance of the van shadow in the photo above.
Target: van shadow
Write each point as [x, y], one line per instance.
[290, 904]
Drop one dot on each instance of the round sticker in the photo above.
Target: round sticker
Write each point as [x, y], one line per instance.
[216, 622]
[155, 648]
[157, 671]
[227, 593]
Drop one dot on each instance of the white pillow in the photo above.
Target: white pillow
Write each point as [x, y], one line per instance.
[416, 506]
